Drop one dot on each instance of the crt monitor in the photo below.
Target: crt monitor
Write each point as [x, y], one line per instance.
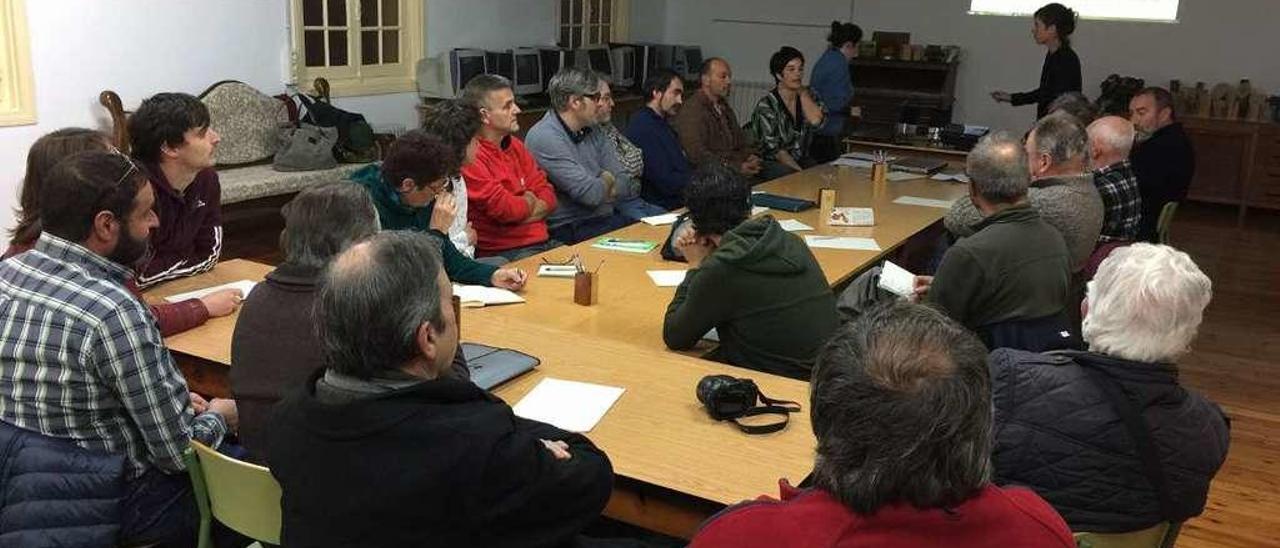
[465, 64]
[595, 58]
[492, 62]
[687, 61]
[554, 59]
[526, 74]
[623, 61]
[434, 78]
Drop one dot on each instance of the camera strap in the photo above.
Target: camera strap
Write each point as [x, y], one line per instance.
[771, 407]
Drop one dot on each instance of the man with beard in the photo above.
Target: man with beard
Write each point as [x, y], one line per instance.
[666, 169]
[1163, 160]
[83, 361]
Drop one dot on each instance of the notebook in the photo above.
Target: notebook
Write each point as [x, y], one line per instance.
[492, 366]
[927, 166]
[476, 296]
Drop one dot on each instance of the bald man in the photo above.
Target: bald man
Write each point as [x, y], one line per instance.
[1110, 140]
[708, 127]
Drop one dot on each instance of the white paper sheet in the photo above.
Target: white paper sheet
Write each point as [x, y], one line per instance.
[659, 220]
[924, 202]
[950, 177]
[851, 162]
[568, 405]
[852, 216]
[865, 156]
[897, 280]
[475, 296]
[667, 278]
[756, 210]
[842, 242]
[245, 286]
[903, 176]
[792, 225]
[557, 271]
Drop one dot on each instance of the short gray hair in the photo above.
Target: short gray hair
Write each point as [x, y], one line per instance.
[1061, 136]
[372, 300]
[997, 166]
[323, 220]
[572, 81]
[1145, 303]
[1075, 104]
[477, 90]
[1112, 133]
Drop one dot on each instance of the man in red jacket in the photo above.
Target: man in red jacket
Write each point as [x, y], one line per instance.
[508, 196]
[901, 406]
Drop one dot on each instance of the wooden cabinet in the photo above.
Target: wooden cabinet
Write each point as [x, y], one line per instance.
[892, 91]
[1237, 162]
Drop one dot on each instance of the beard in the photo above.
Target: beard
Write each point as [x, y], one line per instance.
[1141, 135]
[130, 252]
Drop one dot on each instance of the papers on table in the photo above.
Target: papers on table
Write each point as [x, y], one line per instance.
[902, 176]
[924, 202]
[842, 242]
[756, 210]
[866, 156]
[667, 278]
[852, 216]
[557, 271]
[568, 405]
[629, 246]
[476, 296]
[897, 280]
[852, 162]
[659, 220]
[792, 225]
[958, 177]
[245, 286]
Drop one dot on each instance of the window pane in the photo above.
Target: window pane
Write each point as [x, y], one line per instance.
[312, 13]
[368, 47]
[564, 36]
[390, 13]
[564, 12]
[337, 48]
[593, 7]
[390, 46]
[337, 13]
[313, 46]
[594, 37]
[577, 37]
[606, 11]
[368, 14]
[606, 33]
[577, 11]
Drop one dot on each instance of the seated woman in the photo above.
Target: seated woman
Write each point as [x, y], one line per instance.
[785, 120]
[47, 151]
[756, 284]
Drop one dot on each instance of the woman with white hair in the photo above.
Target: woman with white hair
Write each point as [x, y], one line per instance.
[1108, 436]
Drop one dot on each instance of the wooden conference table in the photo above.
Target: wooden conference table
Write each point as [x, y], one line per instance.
[675, 466]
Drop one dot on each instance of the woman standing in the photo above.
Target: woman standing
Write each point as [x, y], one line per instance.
[1052, 28]
[784, 121]
[831, 81]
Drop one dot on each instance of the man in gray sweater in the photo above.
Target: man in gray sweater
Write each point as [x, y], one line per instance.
[594, 192]
[1062, 189]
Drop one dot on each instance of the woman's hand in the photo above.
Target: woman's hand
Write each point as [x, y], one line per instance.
[1002, 96]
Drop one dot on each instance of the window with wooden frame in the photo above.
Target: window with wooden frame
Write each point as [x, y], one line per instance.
[360, 46]
[17, 89]
[591, 22]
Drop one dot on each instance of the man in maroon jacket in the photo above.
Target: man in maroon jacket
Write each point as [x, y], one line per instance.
[170, 134]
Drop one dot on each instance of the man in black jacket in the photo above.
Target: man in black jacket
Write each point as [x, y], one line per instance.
[1163, 160]
[386, 447]
[1109, 437]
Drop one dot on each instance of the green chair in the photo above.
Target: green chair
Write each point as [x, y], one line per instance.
[1159, 536]
[1166, 219]
[242, 496]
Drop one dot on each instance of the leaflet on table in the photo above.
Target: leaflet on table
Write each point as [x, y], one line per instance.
[852, 216]
[660, 220]
[925, 202]
[568, 405]
[842, 242]
[667, 278]
[245, 286]
[792, 225]
[476, 296]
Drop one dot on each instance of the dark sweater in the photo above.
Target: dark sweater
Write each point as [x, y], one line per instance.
[666, 170]
[1015, 267]
[1060, 74]
[764, 293]
[439, 463]
[1164, 164]
[188, 240]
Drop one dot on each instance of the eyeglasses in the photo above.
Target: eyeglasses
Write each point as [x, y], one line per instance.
[593, 96]
[133, 166]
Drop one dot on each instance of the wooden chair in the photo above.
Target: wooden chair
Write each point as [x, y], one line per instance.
[243, 496]
[1166, 219]
[1159, 536]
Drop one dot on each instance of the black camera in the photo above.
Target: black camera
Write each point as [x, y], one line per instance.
[730, 398]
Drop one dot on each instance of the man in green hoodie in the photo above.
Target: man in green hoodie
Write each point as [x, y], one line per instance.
[756, 284]
[405, 188]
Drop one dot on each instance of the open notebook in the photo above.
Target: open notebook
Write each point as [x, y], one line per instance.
[476, 296]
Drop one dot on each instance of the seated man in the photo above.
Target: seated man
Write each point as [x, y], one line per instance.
[1163, 160]
[666, 170]
[594, 194]
[404, 187]
[458, 124]
[708, 127]
[170, 135]
[509, 197]
[1109, 437]
[1110, 139]
[1012, 269]
[756, 284]
[901, 406]
[1061, 191]
[274, 347]
[82, 359]
[386, 447]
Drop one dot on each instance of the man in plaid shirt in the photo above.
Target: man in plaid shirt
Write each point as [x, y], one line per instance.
[82, 358]
[1110, 139]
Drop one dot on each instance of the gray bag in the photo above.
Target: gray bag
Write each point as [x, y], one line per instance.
[306, 148]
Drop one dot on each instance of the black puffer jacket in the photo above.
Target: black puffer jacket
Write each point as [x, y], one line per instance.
[1058, 434]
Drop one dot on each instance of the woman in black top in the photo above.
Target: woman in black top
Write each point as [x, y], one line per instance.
[1053, 26]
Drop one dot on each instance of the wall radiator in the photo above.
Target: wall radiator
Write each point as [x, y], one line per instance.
[744, 95]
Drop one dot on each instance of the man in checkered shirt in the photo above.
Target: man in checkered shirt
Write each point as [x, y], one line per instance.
[1110, 139]
[82, 359]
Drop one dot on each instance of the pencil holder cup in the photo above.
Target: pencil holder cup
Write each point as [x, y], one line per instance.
[878, 172]
[585, 288]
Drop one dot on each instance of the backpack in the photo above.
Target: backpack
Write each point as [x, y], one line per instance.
[355, 135]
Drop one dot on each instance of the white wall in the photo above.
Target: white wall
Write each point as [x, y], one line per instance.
[1213, 42]
[491, 24]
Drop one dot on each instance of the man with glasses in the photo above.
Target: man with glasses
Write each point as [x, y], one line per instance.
[405, 187]
[595, 193]
[508, 195]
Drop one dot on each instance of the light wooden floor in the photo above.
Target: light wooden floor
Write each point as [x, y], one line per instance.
[1236, 362]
